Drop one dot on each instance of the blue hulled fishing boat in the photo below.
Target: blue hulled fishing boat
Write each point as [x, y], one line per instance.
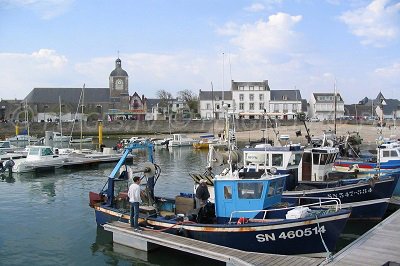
[310, 175]
[247, 213]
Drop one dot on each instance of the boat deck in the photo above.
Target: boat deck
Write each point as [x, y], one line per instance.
[228, 255]
[378, 246]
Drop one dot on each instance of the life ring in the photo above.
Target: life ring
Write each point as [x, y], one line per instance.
[242, 220]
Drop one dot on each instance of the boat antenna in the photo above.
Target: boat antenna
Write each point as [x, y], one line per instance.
[223, 78]
[213, 110]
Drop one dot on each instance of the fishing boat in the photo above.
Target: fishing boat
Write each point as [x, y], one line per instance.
[310, 175]
[385, 161]
[247, 214]
[39, 158]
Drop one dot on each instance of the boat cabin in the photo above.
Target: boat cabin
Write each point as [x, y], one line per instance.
[235, 197]
[40, 152]
[282, 160]
[389, 151]
[317, 162]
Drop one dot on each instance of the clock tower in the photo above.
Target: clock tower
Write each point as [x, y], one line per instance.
[118, 84]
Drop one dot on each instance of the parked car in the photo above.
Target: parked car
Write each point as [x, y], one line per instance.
[314, 119]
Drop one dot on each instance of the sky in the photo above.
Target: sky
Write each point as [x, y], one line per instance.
[175, 45]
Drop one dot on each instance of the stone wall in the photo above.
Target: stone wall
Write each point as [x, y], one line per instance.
[131, 127]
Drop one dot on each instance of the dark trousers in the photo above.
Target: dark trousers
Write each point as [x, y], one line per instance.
[134, 215]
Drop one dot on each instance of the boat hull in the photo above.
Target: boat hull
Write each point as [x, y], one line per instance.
[286, 238]
[367, 200]
[276, 238]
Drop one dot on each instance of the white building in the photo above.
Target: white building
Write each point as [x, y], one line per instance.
[285, 102]
[250, 100]
[212, 102]
[322, 106]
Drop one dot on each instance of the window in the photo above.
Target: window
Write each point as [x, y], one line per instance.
[261, 97]
[251, 106]
[251, 88]
[385, 153]
[294, 108]
[250, 190]
[261, 88]
[285, 106]
[251, 97]
[315, 158]
[208, 107]
[323, 159]
[277, 159]
[393, 153]
[271, 188]
[294, 159]
[227, 192]
[261, 106]
[241, 97]
[276, 107]
[241, 106]
[241, 88]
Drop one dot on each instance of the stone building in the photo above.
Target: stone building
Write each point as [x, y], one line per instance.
[110, 103]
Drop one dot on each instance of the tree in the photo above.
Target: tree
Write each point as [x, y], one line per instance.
[190, 99]
[165, 98]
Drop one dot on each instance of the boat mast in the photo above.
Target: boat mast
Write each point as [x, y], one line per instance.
[334, 108]
[83, 96]
[27, 119]
[60, 118]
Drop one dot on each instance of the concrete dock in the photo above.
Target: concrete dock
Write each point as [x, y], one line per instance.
[149, 239]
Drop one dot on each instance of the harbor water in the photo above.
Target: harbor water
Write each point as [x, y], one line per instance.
[45, 219]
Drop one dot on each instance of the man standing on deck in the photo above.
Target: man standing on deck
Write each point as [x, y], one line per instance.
[202, 194]
[134, 199]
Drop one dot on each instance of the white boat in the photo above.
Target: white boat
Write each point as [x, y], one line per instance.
[83, 140]
[179, 140]
[58, 137]
[6, 146]
[38, 158]
[22, 139]
[161, 142]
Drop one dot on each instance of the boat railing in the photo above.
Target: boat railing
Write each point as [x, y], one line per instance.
[330, 202]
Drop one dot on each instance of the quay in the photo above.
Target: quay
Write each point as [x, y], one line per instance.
[148, 239]
[378, 246]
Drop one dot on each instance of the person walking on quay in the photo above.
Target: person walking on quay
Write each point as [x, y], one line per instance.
[134, 199]
[202, 194]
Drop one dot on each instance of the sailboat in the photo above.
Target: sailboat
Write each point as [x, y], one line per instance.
[81, 139]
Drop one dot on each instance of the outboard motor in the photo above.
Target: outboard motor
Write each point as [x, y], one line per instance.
[8, 165]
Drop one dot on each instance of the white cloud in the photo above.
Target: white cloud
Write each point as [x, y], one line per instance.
[21, 71]
[46, 9]
[256, 7]
[266, 37]
[392, 71]
[376, 24]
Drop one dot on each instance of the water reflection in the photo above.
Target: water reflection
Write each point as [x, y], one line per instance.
[7, 178]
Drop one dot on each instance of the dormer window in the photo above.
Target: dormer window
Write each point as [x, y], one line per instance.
[284, 97]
